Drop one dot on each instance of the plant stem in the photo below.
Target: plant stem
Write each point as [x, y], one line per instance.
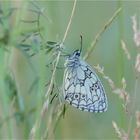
[94, 42]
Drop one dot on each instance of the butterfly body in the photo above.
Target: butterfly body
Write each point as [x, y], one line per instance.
[82, 87]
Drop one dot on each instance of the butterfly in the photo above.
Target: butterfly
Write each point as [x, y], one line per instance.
[82, 87]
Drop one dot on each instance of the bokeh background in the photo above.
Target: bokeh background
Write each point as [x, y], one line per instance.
[25, 26]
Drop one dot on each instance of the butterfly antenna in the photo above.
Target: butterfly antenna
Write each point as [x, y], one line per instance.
[81, 42]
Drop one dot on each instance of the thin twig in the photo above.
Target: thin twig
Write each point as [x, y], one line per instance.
[68, 26]
[93, 44]
[38, 25]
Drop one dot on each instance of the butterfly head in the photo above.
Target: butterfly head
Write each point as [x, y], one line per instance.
[73, 59]
[75, 55]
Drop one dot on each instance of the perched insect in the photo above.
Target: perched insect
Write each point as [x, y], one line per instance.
[82, 87]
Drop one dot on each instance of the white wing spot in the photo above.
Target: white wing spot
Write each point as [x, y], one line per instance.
[77, 88]
[94, 77]
[71, 89]
[80, 74]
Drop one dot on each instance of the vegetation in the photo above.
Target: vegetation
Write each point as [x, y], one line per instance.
[34, 38]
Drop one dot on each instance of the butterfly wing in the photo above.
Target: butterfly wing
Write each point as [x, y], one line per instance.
[83, 89]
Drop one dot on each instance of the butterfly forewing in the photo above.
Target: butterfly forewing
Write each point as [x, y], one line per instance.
[83, 89]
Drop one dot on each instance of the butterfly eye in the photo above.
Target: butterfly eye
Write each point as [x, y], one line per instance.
[78, 53]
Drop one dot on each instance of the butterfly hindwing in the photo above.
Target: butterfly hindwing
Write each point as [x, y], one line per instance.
[83, 89]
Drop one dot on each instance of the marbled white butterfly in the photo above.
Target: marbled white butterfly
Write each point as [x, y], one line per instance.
[82, 87]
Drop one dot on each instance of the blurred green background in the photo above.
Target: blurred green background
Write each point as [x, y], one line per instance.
[23, 78]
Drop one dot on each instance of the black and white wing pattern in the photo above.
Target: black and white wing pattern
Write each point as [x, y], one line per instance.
[82, 87]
